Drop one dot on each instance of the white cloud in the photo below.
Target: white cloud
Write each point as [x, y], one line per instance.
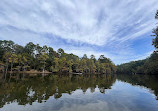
[85, 20]
[22, 37]
[103, 23]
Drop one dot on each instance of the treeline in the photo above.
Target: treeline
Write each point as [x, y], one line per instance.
[146, 66]
[14, 57]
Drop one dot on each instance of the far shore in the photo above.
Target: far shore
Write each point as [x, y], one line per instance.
[30, 72]
[35, 72]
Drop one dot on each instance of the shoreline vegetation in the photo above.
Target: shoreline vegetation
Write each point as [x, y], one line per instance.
[30, 72]
[33, 58]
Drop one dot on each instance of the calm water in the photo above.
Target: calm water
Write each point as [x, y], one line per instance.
[80, 93]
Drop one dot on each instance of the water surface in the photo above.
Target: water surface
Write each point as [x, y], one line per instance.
[80, 93]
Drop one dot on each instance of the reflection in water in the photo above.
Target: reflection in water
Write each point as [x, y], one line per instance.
[79, 92]
[29, 90]
[148, 81]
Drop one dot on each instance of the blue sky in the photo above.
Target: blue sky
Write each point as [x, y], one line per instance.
[119, 29]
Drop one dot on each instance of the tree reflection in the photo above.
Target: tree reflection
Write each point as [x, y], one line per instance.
[30, 89]
[147, 81]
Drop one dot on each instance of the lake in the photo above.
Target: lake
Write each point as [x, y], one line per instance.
[79, 93]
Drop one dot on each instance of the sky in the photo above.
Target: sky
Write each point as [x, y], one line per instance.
[118, 29]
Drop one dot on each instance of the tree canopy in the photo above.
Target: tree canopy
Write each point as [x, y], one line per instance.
[41, 58]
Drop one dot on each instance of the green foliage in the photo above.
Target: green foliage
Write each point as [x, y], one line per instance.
[13, 58]
[146, 66]
[155, 31]
[33, 56]
[156, 15]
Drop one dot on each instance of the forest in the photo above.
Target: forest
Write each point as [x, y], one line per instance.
[146, 66]
[32, 57]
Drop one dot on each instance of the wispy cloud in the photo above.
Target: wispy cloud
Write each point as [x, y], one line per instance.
[104, 26]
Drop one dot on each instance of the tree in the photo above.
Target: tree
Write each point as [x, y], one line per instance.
[38, 49]
[45, 49]
[84, 56]
[156, 15]
[42, 58]
[55, 66]
[103, 59]
[92, 66]
[92, 57]
[69, 65]
[6, 46]
[13, 59]
[155, 31]
[18, 49]
[6, 57]
[25, 61]
[60, 52]
[30, 48]
[62, 65]
[19, 59]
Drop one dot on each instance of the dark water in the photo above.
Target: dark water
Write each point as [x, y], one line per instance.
[80, 93]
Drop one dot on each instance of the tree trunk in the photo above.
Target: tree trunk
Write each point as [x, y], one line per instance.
[19, 67]
[11, 71]
[3, 70]
[11, 67]
[24, 71]
[6, 67]
[17, 77]
[6, 70]
[43, 69]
